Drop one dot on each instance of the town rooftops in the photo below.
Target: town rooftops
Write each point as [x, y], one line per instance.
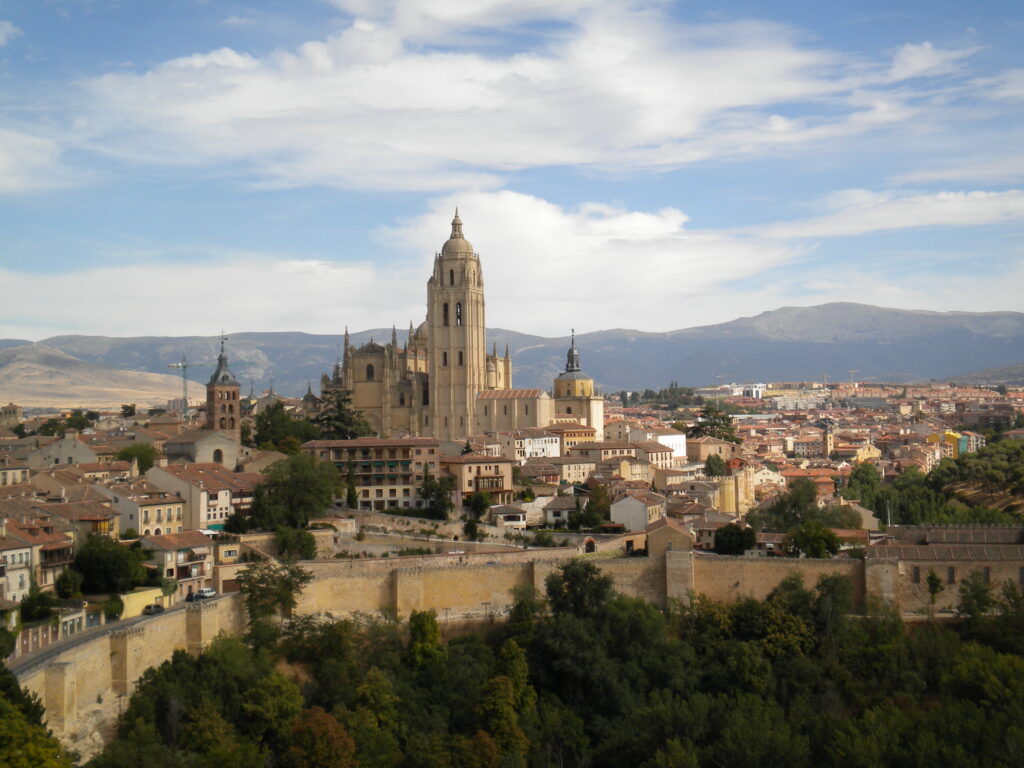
[374, 442]
[565, 427]
[606, 445]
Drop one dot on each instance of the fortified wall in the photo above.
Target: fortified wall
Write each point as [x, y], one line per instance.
[86, 685]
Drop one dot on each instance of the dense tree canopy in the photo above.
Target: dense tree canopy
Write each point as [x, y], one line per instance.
[603, 681]
[713, 421]
[296, 489]
[276, 430]
[338, 421]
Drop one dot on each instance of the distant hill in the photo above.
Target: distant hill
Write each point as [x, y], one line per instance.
[1008, 374]
[792, 343]
[35, 375]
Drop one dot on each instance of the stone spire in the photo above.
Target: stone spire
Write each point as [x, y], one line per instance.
[572, 361]
[223, 374]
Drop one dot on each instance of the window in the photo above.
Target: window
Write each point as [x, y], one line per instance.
[569, 410]
[231, 423]
[369, 373]
[451, 277]
[444, 359]
[460, 357]
[917, 575]
[458, 313]
[223, 423]
[951, 575]
[485, 410]
[444, 314]
[401, 398]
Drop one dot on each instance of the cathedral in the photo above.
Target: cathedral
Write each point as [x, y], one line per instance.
[442, 382]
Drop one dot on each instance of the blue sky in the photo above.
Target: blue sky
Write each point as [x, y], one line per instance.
[178, 167]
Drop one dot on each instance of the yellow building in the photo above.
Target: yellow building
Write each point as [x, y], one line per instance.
[441, 382]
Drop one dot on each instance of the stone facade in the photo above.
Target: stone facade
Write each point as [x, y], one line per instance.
[439, 381]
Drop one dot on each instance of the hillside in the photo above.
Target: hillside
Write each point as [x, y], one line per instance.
[1007, 374]
[791, 343]
[37, 375]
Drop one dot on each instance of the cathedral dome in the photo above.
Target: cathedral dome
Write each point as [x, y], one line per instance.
[457, 245]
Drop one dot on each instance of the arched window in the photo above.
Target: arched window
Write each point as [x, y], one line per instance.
[458, 313]
[369, 373]
[231, 422]
[223, 423]
[223, 408]
[401, 398]
[451, 277]
[231, 409]
[218, 456]
[569, 410]
[444, 314]
[157, 531]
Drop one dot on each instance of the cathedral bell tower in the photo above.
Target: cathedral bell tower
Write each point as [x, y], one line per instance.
[222, 405]
[456, 331]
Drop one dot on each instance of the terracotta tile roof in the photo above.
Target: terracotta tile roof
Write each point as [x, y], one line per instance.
[476, 458]
[944, 552]
[375, 442]
[214, 477]
[511, 394]
[174, 541]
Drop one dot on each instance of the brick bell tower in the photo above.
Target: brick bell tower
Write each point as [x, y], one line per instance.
[222, 405]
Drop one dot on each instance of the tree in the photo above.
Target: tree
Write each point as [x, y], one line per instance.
[351, 495]
[934, 582]
[296, 489]
[715, 466]
[578, 588]
[128, 410]
[976, 597]
[479, 503]
[144, 453]
[597, 509]
[812, 539]
[713, 422]
[109, 567]
[295, 543]
[437, 494]
[79, 420]
[37, 605]
[337, 420]
[732, 539]
[274, 427]
[467, 448]
[69, 584]
[271, 588]
[500, 719]
[318, 740]
[24, 744]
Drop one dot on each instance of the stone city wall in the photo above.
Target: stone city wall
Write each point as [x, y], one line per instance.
[85, 684]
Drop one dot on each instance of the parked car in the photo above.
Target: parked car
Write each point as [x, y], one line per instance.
[150, 610]
[205, 593]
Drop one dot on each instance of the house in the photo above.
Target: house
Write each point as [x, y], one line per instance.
[558, 510]
[699, 448]
[529, 443]
[211, 494]
[52, 549]
[185, 557]
[205, 446]
[145, 508]
[570, 435]
[476, 472]
[659, 456]
[388, 472]
[602, 450]
[15, 564]
[638, 509]
[671, 438]
[65, 450]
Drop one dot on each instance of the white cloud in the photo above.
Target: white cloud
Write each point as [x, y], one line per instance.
[861, 211]
[548, 268]
[1008, 168]
[29, 163]
[925, 60]
[616, 86]
[8, 32]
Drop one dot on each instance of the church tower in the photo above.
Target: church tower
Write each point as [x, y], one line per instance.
[575, 396]
[222, 406]
[456, 336]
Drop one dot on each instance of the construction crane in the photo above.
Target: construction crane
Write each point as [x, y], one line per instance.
[184, 366]
[852, 372]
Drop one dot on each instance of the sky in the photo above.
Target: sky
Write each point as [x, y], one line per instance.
[173, 167]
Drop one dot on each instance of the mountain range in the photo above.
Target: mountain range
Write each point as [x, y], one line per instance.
[787, 344]
[36, 375]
